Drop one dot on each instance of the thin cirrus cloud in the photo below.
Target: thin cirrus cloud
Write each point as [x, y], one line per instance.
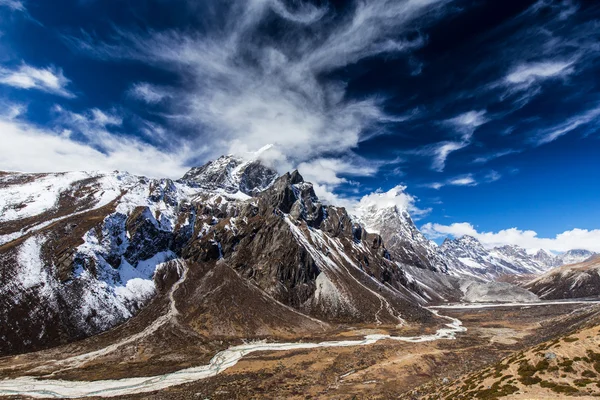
[551, 134]
[525, 75]
[50, 79]
[147, 93]
[462, 180]
[243, 93]
[14, 5]
[489, 157]
[466, 180]
[465, 124]
[529, 239]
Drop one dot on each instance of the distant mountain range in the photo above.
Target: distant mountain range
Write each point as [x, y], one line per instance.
[466, 256]
[82, 252]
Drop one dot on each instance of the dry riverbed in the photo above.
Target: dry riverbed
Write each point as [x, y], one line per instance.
[387, 368]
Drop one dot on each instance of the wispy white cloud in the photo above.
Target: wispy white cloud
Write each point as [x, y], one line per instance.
[563, 9]
[488, 157]
[468, 122]
[465, 124]
[243, 92]
[50, 79]
[492, 176]
[24, 143]
[466, 180]
[568, 240]
[14, 5]
[148, 93]
[461, 180]
[524, 75]
[551, 134]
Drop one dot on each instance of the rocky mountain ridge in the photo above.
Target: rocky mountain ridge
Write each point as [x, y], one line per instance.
[84, 252]
[466, 256]
[403, 239]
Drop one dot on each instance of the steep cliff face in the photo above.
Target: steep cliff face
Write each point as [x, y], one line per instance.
[84, 252]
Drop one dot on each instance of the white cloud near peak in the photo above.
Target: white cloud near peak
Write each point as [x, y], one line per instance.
[243, 92]
[50, 79]
[395, 197]
[23, 143]
[328, 170]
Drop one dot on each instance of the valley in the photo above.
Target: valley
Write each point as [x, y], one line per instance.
[343, 366]
[237, 282]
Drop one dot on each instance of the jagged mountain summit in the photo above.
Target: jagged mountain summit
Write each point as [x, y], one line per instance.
[403, 239]
[233, 175]
[547, 259]
[85, 252]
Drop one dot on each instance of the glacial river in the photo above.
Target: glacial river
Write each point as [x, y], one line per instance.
[223, 360]
[39, 388]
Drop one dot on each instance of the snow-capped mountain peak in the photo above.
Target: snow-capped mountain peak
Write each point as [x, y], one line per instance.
[575, 256]
[233, 174]
[467, 256]
[402, 238]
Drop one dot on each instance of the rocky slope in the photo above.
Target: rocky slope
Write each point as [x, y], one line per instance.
[569, 281]
[84, 252]
[403, 239]
[566, 366]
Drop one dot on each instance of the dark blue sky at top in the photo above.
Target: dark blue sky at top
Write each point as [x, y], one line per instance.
[467, 51]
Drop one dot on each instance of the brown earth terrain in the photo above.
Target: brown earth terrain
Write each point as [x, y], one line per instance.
[568, 365]
[498, 343]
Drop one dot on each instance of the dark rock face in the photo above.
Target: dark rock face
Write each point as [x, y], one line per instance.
[291, 195]
[103, 260]
[255, 239]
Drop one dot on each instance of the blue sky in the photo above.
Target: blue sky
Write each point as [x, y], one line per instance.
[479, 117]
